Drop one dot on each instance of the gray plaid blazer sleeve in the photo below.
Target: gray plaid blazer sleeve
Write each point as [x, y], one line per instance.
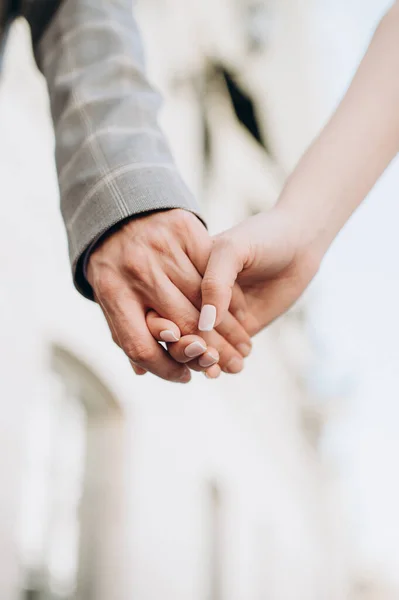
[112, 160]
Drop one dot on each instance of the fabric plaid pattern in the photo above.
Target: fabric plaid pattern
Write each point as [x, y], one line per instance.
[113, 161]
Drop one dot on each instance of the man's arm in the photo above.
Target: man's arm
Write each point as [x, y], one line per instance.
[112, 160]
[113, 164]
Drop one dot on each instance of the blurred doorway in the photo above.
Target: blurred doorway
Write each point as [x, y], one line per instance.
[74, 514]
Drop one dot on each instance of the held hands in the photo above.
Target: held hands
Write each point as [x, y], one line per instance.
[152, 266]
[268, 257]
[165, 265]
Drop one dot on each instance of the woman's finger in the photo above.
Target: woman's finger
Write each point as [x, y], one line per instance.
[172, 304]
[207, 361]
[187, 278]
[224, 265]
[186, 348]
[163, 330]
[193, 348]
[199, 250]
[213, 372]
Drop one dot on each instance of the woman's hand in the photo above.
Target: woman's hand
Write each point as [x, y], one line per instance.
[267, 257]
[274, 256]
[190, 350]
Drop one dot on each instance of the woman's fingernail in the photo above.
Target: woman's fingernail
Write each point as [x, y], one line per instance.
[234, 365]
[244, 349]
[195, 349]
[207, 360]
[168, 336]
[207, 318]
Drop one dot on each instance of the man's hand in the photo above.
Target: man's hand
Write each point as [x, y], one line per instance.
[267, 256]
[154, 263]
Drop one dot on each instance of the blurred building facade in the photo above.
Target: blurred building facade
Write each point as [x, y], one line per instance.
[120, 487]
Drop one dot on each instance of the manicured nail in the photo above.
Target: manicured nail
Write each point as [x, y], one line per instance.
[207, 360]
[207, 318]
[244, 349]
[195, 349]
[168, 336]
[234, 365]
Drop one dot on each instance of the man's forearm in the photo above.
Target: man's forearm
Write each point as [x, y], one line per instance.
[354, 149]
[113, 161]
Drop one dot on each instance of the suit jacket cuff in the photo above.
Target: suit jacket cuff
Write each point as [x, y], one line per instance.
[139, 191]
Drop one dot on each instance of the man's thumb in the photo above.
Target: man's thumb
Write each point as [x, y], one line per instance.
[217, 285]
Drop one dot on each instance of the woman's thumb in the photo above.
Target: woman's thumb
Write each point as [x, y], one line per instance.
[217, 284]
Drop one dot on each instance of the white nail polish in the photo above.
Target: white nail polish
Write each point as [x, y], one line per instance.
[168, 336]
[195, 349]
[207, 318]
[207, 360]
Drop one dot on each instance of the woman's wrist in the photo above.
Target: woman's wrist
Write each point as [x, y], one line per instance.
[306, 235]
[350, 154]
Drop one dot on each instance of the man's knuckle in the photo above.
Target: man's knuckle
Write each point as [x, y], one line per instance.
[129, 264]
[183, 221]
[162, 245]
[140, 354]
[106, 282]
[135, 260]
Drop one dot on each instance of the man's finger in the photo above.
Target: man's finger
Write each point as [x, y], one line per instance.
[138, 370]
[128, 321]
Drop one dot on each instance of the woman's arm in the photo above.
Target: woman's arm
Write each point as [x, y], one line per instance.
[355, 147]
[275, 254]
